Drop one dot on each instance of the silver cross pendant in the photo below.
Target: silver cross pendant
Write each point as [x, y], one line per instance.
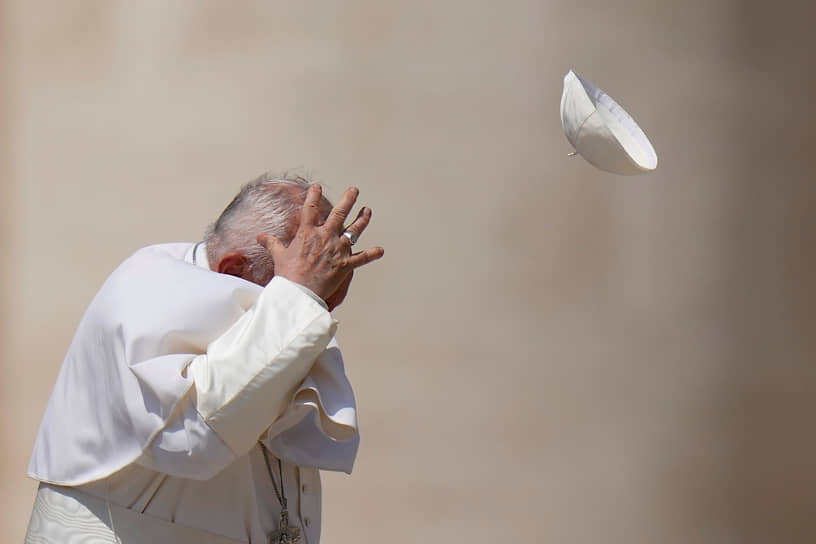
[285, 534]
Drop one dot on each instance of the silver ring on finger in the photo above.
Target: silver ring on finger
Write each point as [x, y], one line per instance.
[352, 237]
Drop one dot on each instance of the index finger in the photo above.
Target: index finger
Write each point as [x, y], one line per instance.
[310, 212]
[339, 212]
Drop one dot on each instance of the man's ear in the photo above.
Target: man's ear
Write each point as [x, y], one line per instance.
[233, 264]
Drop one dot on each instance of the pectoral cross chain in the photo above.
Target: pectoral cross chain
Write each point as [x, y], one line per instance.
[284, 534]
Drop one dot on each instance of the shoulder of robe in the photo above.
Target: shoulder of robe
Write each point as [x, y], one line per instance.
[155, 291]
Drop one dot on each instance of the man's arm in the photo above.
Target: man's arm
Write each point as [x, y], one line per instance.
[248, 376]
[243, 383]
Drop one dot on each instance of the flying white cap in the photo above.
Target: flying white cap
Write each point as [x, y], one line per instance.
[601, 131]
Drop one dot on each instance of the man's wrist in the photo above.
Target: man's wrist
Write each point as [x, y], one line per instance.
[308, 291]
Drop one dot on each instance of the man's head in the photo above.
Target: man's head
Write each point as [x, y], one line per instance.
[268, 205]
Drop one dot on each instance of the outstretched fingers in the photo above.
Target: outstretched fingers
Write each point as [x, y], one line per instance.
[310, 213]
[359, 224]
[364, 257]
[339, 213]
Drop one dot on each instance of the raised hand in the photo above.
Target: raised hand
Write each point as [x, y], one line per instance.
[319, 256]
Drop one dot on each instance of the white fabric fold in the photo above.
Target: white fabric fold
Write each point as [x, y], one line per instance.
[66, 515]
[253, 369]
[319, 427]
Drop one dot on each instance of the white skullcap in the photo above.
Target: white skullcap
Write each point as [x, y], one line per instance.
[601, 131]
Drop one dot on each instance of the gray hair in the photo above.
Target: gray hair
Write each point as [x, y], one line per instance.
[264, 205]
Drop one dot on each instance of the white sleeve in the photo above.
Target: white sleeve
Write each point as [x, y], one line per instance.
[243, 383]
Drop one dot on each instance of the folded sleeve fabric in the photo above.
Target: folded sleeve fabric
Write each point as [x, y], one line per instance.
[246, 378]
[319, 427]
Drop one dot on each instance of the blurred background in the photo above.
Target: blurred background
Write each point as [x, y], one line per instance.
[547, 353]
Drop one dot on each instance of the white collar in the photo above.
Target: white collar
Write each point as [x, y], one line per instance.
[197, 255]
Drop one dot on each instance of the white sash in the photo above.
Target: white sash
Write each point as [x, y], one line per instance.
[65, 515]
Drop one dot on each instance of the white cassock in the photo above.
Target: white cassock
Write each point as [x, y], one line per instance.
[174, 375]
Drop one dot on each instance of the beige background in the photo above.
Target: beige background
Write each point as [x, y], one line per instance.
[548, 353]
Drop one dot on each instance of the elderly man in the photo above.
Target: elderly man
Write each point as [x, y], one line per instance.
[203, 389]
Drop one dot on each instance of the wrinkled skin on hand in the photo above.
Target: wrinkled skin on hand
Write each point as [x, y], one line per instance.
[319, 256]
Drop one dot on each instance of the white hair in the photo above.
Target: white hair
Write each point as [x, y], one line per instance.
[264, 205]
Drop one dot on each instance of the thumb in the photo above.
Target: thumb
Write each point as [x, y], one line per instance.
[272, 244]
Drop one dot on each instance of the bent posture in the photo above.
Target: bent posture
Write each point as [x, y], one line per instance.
[203, 389]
